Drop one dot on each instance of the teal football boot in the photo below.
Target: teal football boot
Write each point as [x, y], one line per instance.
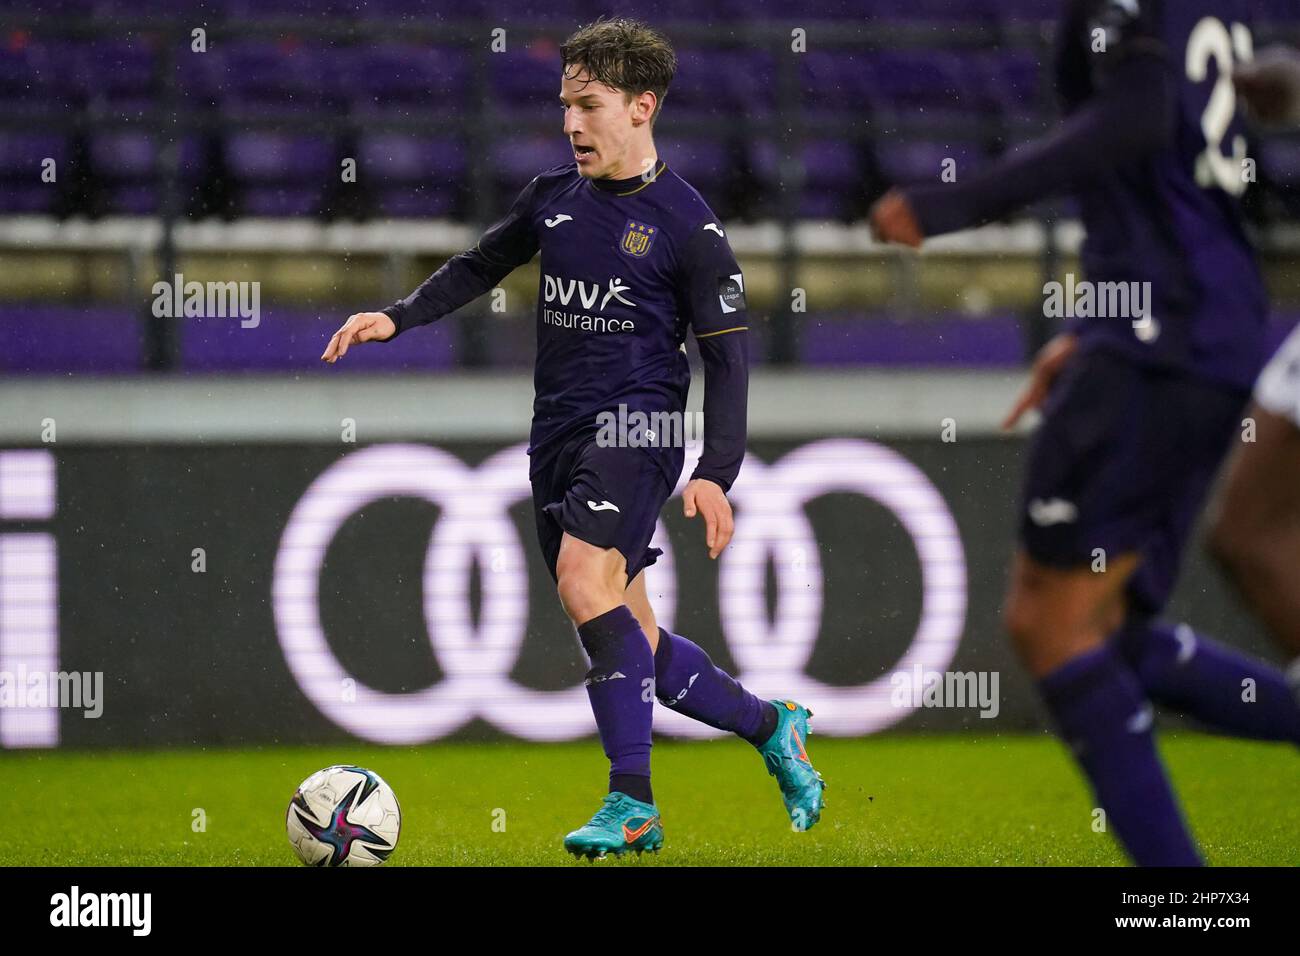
[787, 759]
[621, 824]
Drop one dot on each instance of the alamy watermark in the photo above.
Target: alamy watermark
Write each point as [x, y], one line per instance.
[208, 300]
[957, 689]
[133, 911]
[638, 429]
[76, 690]
[1081, 299]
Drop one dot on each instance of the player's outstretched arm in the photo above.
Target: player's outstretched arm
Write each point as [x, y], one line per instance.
[507, 244]
[1051, 360]
[1131, 116]
[361, 327]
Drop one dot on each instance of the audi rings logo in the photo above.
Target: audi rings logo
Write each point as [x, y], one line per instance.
[771, 651]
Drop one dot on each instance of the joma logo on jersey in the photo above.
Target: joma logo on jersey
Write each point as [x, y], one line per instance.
[564, 291]
[637, 238]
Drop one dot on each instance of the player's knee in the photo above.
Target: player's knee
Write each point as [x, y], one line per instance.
[584, 590]
[575, 592]
[1041, 634]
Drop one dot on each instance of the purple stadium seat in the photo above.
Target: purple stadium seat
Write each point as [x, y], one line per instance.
[414, 177]
[124, 153]
[526, 78]
[62, 339]
[666, 11]
[399, 158]
[910, 80]
[836, 81]
[722, 81]
[252, 73]
[290, 9]
[21, 156]
[517, 159]
[418, 201]
[401, 76]
[965, 11]
[1030, 10]
[860, 339]
[432, 11]
[909, 160]
[260, 155]
[701, 162]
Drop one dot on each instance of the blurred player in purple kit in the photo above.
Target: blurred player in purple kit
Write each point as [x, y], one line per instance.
[1139, 410]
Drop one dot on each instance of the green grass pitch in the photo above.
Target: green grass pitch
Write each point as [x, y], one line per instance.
[893, 800]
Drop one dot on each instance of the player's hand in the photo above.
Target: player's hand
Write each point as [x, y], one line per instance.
[362, 327]
[1051, 359]
[894, 220]
[707, 499]
[1269, 85]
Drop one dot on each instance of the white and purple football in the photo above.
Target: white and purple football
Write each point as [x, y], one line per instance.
[344, 816]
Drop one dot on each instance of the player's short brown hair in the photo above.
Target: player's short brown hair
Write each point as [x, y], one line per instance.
[622, 53]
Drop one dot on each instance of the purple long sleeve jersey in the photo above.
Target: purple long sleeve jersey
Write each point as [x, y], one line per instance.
[627, 268]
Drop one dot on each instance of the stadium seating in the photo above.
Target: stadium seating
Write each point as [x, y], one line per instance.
[260, 122]
[278, 102]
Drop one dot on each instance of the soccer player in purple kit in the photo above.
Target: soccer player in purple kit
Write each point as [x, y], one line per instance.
[631, 259]
[1138, 410]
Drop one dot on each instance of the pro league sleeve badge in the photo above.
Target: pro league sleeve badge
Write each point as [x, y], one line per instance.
[731, 292]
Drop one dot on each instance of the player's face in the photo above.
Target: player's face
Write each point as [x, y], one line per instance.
[603, 127]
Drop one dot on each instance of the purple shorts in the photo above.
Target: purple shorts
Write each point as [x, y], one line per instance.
[609, 497]
[1123, 462]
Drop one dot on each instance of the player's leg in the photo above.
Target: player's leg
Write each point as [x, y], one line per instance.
[1059, 620]
[638, 600]
[688, 682]
[1255, 524]
[596, 510]
[620, 686]
[1220, 687]
[1098, 473]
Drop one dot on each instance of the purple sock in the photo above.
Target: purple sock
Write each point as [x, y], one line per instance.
[1106, 720]
[620, 687]
[687, 681]
[1205, 680]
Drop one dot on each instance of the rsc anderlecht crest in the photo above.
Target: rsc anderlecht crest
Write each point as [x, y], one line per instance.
[637, 238]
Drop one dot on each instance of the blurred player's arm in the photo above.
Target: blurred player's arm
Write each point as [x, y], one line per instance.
[1131, 113]
[508, 243]
[1048, 364]
[1269, 85]
[714, 303]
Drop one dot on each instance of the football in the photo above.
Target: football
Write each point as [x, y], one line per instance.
[344, 816]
